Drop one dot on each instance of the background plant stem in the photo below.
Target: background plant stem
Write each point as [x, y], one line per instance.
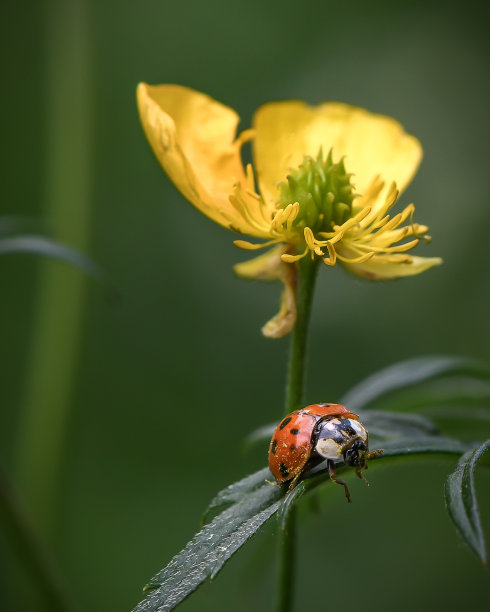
[294, 399]
[58, 308]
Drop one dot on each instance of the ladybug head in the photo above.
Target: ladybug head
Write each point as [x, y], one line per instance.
[356, 455]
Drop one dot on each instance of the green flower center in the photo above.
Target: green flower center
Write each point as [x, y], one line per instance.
[323, 190]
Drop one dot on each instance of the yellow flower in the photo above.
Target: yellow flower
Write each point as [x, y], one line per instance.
[326, 178]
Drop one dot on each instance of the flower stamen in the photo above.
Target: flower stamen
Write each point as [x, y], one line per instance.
[288, 258]
[312, 243]
[238, 201]
[251, 246]
[356, 260]
[332, 259]
[348, 225]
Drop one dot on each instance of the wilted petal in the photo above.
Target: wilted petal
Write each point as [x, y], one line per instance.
[193, 138]
[270, 267]
[373, 144]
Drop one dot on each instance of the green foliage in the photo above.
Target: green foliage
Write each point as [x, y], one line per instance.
[235, 493]
[208, 551]
[411, 373]
[242, 508]
[461, 500]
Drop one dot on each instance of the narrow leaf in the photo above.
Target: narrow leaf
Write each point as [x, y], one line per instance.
[410, 373]
[461, 500]
[454, 391]
[423, 446]
[39, 245]
[464, 392]
[392, 425]
[208, 551]
[478, 415]
[236, 492]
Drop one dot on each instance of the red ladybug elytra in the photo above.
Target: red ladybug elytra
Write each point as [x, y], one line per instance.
[317, 432]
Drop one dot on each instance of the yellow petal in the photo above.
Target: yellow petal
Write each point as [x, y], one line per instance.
[270, 267]
[193, 138]
[373, 144]
[387, 267]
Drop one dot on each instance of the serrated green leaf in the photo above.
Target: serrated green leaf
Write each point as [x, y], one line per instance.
[39, 245]
[461, 500]
[208, 551]
[409, 373]
[236, 492]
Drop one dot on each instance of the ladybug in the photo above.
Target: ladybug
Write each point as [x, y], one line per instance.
[321, 431]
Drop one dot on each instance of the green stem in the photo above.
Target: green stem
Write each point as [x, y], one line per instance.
[294, 399]
[297, 356]
[287, 546]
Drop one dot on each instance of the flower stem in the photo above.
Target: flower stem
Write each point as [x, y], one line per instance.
[297, 356]
[294, 399]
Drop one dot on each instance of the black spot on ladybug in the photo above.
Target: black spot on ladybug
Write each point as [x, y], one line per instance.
[295, 431]
[325, 405]
[284, 470]
[273, 446]
[292, 447]
[284, 423]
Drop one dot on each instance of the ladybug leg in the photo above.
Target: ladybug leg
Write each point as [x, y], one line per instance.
[333, 478]
[361, 475]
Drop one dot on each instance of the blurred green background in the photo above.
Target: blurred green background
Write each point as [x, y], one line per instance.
[122, 415]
